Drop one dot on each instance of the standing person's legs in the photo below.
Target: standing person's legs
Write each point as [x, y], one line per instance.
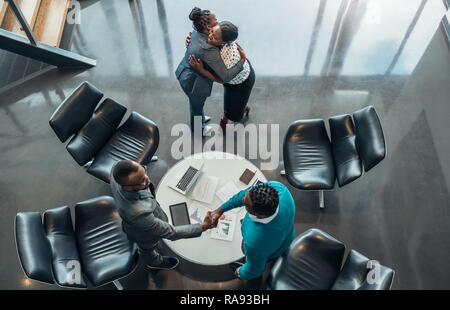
[196, 109]
[236, 98]
[246, 90]
[196, 104]
[249, 83]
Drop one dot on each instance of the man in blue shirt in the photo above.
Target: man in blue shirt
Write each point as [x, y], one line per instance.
[268, 226]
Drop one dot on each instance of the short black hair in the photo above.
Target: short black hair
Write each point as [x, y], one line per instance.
[201, 18]
[264, 199]
[123, 169]
[230, 32]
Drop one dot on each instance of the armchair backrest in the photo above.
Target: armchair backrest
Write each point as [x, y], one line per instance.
[354, 275]
[75, 111]
[66, 260]
[96, 132]
[346, 158]
[33, 247]
[369, 137]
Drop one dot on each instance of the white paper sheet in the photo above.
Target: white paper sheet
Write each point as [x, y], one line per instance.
[227, 191]
[205, 188]
[225, 227]
[197, 212]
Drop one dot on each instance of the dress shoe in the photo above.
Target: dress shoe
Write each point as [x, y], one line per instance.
[223, 123]
[247, 110]
[167, 263]
[236, 265]
[207, 130]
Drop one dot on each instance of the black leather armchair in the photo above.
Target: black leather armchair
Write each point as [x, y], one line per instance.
[313, 262]
[96, 140]
[50, 251]
[312, 162]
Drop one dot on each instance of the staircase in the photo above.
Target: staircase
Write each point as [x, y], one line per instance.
[3, 7]
[45, 17]
[20, 57]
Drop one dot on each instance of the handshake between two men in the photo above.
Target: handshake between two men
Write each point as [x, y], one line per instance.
[269, 221]
[212, 219]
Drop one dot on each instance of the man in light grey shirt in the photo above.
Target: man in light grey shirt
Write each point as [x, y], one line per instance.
[143, 220]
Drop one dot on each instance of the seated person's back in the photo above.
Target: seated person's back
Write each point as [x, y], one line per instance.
[268, 228]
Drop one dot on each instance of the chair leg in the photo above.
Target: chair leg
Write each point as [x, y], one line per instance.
[282, 171]
[118, 285]
[321, 200]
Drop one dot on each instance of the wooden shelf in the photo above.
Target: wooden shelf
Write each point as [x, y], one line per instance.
[30, 9]
[50, 21]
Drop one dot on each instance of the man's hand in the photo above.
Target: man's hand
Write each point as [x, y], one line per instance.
[188, 39]
[207, 222]
[241, 52]
[195, 63]
[215, 215]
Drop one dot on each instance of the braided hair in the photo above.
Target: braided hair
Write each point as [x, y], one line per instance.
[201, 18]
[264, 199]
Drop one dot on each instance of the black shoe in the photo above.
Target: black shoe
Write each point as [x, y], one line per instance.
[167, 263]
[236, 265]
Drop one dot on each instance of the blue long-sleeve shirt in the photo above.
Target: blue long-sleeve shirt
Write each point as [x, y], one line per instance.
[263, 242]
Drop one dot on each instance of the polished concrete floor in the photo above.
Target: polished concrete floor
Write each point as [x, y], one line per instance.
[313, 59]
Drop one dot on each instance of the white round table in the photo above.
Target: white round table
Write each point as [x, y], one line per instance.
[226, 167]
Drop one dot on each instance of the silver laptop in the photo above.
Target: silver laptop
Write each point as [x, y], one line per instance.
[184, 181]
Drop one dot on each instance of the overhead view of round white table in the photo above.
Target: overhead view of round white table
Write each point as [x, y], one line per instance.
[226, 167]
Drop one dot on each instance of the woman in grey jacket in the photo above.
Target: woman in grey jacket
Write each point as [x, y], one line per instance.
[195, 85]
[237, 91]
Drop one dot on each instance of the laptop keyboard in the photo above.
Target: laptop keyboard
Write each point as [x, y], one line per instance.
[187, 178]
